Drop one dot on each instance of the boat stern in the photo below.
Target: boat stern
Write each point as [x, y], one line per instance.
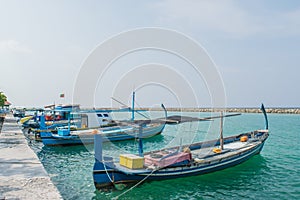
[103, 166]
[103, 173]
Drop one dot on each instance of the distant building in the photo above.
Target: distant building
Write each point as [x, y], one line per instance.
[5, 108]
[6, 105]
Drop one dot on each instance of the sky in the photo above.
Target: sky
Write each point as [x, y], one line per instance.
[254, 45]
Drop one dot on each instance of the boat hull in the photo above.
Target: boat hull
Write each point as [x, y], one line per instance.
[108, 134]
[104, 174]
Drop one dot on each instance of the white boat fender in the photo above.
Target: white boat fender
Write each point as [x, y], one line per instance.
[198, 160]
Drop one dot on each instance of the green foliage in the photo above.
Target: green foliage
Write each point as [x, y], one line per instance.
[3, 98]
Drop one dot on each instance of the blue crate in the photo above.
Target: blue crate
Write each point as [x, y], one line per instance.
[63, 132]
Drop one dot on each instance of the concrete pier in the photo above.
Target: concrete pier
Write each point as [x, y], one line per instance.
[22, 175]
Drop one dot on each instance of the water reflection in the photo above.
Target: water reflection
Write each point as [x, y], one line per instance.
[217, 185]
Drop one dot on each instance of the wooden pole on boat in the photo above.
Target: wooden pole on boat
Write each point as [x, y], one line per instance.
[221, 133]
[132, 108]
[141, 151]
[69, 122]
[98, 147]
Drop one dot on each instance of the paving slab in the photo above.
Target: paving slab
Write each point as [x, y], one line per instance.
[22, 175]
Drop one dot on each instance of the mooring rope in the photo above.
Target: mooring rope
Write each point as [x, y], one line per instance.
[106, 171]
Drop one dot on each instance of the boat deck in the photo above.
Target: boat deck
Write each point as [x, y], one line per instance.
[232, 149]
[204, 156]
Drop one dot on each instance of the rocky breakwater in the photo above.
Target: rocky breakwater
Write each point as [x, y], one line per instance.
[238, 110]
[268, 110]
[235, 110]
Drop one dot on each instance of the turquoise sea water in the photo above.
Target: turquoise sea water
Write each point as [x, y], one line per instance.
[274, 174]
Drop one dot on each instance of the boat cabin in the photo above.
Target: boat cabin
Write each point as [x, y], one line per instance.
[95, 119]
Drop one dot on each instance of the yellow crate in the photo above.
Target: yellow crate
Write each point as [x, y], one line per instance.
[131, 161]
[123, 159]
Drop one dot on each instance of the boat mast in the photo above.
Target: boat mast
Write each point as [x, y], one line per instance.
[141, 151]
[132, 108]
[221, 133]
[69, 121]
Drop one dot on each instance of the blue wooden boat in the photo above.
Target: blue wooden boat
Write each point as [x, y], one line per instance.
[180, 161]
[54, 116]
[114, 133]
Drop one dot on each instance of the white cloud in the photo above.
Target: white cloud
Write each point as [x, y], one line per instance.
[291, 22]
[13, 46]
[223, 16]
[228, 17]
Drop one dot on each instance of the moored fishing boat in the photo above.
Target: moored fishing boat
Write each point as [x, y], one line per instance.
[113, 133]
[110, 130]
[55, 116]
[180, 161]
[78, 120]
[116, 131]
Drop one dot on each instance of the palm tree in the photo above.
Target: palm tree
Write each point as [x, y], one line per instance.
[3, 99]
